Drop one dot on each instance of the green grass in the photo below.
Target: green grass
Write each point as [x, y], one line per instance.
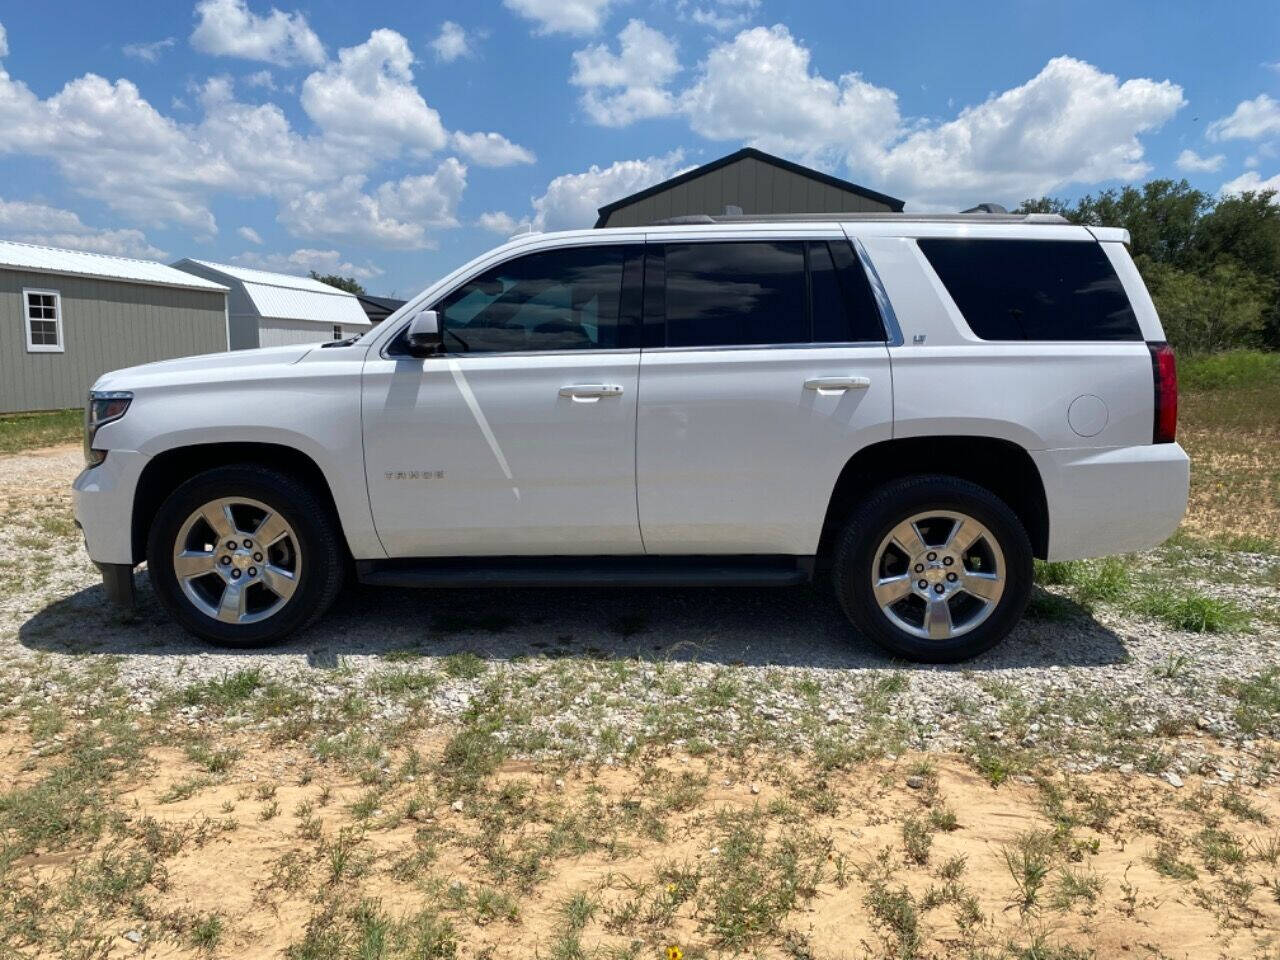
[1191, 610]
[1230, 370]
[30, 431]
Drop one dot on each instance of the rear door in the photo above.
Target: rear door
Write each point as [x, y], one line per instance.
[765, 369]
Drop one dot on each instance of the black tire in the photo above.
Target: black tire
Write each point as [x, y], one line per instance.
[872, 522]
[320, 576]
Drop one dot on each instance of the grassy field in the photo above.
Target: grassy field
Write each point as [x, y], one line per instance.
[30, 431]
[567, 803]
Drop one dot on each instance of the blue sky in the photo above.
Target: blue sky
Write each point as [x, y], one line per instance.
[394, 141]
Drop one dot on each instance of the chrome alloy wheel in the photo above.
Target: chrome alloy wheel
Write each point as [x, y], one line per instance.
[938, 574]
[237, 560]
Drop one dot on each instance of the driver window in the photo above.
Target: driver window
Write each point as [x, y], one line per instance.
[556, 300]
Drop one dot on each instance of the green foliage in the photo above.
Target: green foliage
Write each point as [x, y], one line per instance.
[1230, 370]
[1223, 305]
[349, 284]
[1213, 267]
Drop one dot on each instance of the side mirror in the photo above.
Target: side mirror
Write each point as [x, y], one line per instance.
[424, 333]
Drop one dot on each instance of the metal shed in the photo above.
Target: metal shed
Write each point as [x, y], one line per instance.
[67, 316]
[275, 309]
[749, 181]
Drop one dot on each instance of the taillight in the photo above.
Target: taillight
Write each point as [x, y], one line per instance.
[1165, 371]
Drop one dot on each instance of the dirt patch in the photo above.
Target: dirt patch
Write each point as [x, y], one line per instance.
[764, 856]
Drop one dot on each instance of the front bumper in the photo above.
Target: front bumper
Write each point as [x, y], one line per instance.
[104, 506]
[1113, 500]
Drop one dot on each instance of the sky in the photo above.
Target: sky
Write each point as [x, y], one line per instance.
[394, 141]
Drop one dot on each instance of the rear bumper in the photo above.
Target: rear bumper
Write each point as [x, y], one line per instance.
[1113, 500]
[104, 506]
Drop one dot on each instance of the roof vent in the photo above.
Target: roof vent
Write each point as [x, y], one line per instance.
[987, 208]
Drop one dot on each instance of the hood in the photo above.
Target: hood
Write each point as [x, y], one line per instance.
[209, 366]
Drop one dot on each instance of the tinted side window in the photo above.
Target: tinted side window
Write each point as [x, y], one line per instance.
[557, 300]
[721, 294]
[1034, 289]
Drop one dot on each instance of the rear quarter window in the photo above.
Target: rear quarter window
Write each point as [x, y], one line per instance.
[1033, 289]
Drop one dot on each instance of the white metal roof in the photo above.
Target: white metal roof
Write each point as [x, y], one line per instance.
[53, 260]
[282, 296]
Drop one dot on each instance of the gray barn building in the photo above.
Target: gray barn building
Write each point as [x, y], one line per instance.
[66, 317]
[276, 309]
[749, 181]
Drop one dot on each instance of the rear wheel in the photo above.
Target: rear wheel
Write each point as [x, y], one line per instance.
[935, 569]
[243, 556]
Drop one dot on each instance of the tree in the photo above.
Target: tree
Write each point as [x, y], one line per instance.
[1221, 308]
[349, 284]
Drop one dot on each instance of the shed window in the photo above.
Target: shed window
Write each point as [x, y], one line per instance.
[44, 320]
[337, 331]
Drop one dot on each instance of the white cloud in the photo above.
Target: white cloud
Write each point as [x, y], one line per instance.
[1252, 182]
[571, 200]
[1070, 123]
[497, 221]
[228, 28]
[4, 42]
[1251, 120]
[250, 234]
[1191, 162]
[55, 227]
[758, 87]
[150, 52]
[451, 43]
[302, 261]
[631, 84]
[367, 98]
[490, 149]
[577, 17]
[261, 78]
[720, 15]
[395, 215]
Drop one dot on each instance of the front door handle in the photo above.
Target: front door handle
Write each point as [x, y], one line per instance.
[590, 391]
[837, 384]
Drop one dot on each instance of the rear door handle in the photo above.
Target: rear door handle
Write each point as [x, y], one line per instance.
[591, 391]
[837, 384]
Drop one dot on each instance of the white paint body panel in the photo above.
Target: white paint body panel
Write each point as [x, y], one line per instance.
[734, 455]
[705, 451]
[299, 397]
[526, 471]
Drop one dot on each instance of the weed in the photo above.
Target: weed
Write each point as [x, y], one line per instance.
[917, 838]
[897, 914]
[1191, 611]
[463, 666]
[1166, 863]
[1028, 863]
[206, 932]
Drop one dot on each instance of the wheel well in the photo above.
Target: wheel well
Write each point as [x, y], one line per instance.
[167, 470]
[1000, 466]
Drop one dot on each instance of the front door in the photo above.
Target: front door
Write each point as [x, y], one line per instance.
[519, 438]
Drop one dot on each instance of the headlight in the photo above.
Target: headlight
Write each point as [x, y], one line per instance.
[104, 406]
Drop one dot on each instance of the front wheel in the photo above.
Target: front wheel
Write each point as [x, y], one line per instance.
[934, 569]
[243, 555]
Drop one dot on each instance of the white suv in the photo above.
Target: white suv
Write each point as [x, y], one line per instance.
[914, 406]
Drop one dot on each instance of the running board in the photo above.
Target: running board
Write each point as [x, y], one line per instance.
[710, 571]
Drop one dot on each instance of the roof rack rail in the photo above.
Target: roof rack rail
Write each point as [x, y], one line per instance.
[968, 216]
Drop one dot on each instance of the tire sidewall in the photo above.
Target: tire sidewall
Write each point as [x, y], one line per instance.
[302, 512]
[890, 506]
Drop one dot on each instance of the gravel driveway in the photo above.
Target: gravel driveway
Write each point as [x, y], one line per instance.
[1098, 688]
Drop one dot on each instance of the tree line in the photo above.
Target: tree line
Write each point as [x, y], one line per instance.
[1212, 264]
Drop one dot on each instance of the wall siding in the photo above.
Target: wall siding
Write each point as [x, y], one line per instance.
[106, 325]
[751, 184]
[280, 333]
